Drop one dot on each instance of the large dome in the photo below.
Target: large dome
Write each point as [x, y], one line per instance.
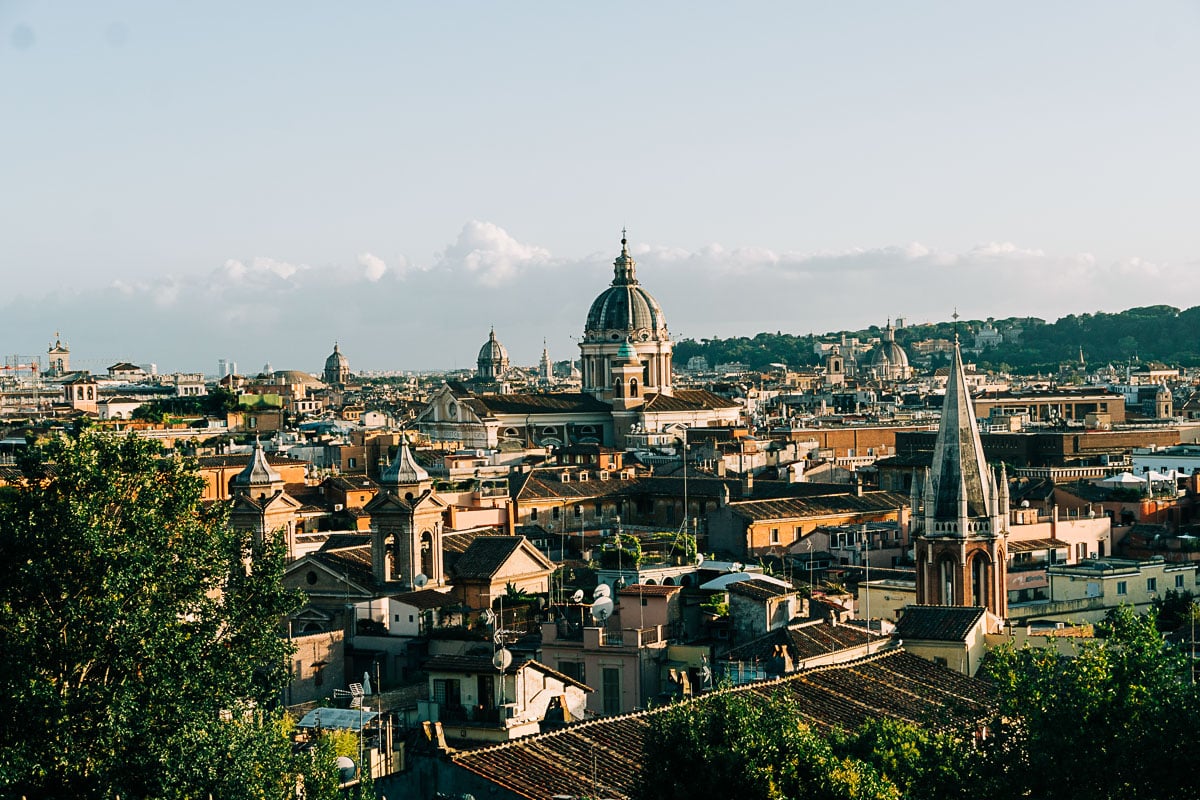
[336, 360]
[889, 354]
[625, 309]
[492, 350]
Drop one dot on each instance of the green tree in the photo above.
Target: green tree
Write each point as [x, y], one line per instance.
[139, 633]
[759, 745]
[1117, 720]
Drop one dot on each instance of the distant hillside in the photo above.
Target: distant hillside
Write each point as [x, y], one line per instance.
[1151, 333]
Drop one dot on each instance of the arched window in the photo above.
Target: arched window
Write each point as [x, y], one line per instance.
[633, 387]
[617, 388]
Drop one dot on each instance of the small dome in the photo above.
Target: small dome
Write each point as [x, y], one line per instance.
[626, 353]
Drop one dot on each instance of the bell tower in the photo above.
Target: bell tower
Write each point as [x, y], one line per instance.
[960, 512]
[406, 523]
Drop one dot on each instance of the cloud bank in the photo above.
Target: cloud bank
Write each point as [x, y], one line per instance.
[420, 315]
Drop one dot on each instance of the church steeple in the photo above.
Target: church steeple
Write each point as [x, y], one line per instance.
[959, 468]
[960, 513]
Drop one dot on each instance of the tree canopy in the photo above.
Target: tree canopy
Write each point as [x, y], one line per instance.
[1116, 720]
[139, 632]
[1160, 333]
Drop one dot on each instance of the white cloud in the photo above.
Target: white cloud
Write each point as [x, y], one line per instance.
[403, 315]
[373, 265]
[490, 255]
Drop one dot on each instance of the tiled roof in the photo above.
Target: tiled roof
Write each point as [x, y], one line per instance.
[807, 640]
[355, 563]
[686, 400]
[485, 555]
[799, 507]
[344, 541]
[539, 403]
[426, 598]
[757, 589]
[938, 623]
[893, 684]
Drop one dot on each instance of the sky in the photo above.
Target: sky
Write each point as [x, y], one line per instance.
[183, 182]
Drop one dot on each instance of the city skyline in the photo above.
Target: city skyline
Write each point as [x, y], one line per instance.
[256, 183]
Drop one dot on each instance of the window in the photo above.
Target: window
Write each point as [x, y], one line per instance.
[774, 535]
[351, 463]
[554, 512]
[578, 512]
[1151, 584]
[612, 690]
[573, 669]
[941, 662]
[1178, 581]
[533, 515]
[397, 617]
[446, 692]
[1122, 587]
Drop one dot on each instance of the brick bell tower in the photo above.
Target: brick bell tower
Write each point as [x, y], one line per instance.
[960, 512]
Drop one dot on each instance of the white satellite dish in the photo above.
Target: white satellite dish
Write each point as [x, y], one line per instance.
[699, 559]
[420, 580]
[601, 590]
[736, 567]
[502, 660]
[489, 616]
[578, 596]
[602, 609]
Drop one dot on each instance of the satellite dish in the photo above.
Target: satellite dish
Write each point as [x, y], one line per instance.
[346, 769]
[578, 596]
[602, 609]
[502, 660]
[489, 616]
[699, 559]
[420, 580]
[601, 590]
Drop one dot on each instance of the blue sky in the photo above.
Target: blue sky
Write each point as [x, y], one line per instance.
[185, 182]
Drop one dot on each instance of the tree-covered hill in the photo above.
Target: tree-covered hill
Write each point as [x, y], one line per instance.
[1152, 333]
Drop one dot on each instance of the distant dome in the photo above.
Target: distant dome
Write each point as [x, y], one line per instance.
[337, 367]
[295, 376]
[336, 360]
[493, 358]
[625, 308]
[889, 354]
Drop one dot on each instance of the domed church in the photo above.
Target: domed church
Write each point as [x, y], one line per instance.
[493, 359]
[625, 313]
[337, 368]
[626, 384]
[889, 362]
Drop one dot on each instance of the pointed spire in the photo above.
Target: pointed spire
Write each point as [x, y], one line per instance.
[959, 468]
[404, 469]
